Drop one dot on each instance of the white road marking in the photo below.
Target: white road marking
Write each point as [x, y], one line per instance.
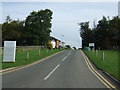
[64, 58]
[31, 64]
[68, 53]
[51, 72]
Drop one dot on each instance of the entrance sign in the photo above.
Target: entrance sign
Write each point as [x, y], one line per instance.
[9, 51]
[91, 44]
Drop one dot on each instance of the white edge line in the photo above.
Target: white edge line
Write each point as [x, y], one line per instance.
[51, 72]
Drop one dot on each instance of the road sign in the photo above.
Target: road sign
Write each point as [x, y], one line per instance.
[91, 44]
[9, 51]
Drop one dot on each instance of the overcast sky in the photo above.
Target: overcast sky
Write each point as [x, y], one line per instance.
[66, 15]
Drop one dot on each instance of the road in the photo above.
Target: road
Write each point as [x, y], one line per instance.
[64, 70]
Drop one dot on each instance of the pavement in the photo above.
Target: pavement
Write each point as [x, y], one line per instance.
[68, 69]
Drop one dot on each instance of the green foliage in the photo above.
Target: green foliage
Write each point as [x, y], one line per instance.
[38, 25]
[35, 30]
[86, 33]
[105, 35]
[12, 30]
[49, 45]
[21, 57]
[68, 46]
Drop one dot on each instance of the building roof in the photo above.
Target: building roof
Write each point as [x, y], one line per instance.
[51, 38]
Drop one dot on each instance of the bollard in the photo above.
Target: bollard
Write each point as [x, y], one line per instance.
[27, 55]
[96, 52]
[39, 53]
[46, 50]
[103, 56]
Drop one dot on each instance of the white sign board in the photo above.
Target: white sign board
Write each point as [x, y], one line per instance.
[9, 51]
[91, 44]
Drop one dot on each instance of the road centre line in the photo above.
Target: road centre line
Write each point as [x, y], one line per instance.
[64, 58]
[68, 53]
[51, 72]
[101, 78]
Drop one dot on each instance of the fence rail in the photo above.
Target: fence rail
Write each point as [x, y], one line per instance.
[22, 48]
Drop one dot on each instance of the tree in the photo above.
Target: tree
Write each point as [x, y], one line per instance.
[86, 33]
[68, 46]
[102, 34]
[105, 35]
[114, 30]
[8, 19]
[37, 27]
[12, 30]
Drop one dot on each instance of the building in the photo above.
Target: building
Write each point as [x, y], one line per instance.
[56, 43]
[62, 44]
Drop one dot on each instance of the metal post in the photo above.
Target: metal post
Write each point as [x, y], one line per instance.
[27, 55]
[46, 50]
[103, 56]
[39, 53]
[96, 52]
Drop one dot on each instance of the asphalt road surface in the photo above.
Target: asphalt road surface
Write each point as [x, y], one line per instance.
[64, 70]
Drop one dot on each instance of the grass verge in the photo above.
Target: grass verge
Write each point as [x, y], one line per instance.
[34, 55]
[110, 62]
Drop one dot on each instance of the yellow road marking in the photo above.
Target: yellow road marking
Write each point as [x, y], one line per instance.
[102, 76]
[94, 72]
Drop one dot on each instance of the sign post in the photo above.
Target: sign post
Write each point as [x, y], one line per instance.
[9, 51]
[92, 46]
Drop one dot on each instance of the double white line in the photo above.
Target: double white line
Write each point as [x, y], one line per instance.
[101, 78]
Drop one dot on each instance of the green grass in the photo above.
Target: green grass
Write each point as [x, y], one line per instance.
[21, 57]
[109, 64]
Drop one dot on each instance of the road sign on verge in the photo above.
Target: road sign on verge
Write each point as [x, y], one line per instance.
[9, 51]
[91, 44]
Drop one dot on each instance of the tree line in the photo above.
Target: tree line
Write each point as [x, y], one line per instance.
[34, 30]
[105, 34]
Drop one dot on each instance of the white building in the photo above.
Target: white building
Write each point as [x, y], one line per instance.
[53, 43]
[56, 43]
[62, 44]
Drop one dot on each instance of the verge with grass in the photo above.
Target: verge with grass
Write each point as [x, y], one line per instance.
[34, 55]
[110, 62]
